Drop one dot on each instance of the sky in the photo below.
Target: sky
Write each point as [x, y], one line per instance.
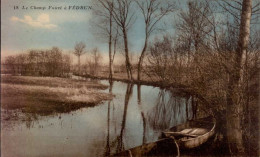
[39, 27]
[23, 29]
[42, 28]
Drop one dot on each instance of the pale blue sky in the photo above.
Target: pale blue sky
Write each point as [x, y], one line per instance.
[39, 29]
[22, 30]
[63, 28]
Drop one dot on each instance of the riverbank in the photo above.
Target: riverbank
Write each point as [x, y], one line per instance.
[46, 95]
[146, 81]
[179, 89]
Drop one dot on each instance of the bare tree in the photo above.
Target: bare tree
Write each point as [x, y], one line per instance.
[160, 59]
[96, 60]
[195, 29]
[195, 26]
[93, 62]
[153, 11]
[240, 48]
[234, 107]
[115, 40]
[105, 23]
[123, 16]
[79, 50]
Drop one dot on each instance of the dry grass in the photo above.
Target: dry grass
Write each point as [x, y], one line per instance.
[51, 82]
[123, 76]
[46, 95]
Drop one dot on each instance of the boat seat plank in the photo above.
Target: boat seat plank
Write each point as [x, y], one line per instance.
[194, 131]
[167, 133]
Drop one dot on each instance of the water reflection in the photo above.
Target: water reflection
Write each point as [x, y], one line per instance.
[139, 101]
[119, 139]
[135, 116]
[161, 112]
[169, 110]
[194, 104]
[107, 152]
[128, 94]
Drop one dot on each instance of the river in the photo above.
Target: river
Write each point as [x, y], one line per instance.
[136, 115]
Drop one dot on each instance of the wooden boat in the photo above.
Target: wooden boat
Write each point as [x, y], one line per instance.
[184, 136]
[161, 147]
[192, 133]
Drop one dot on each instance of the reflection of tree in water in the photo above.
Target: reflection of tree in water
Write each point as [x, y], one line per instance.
[30, 118]
[107, 150]
[29, 124]
[139, 101]
[169, 110]
[120, 146]
[118, 143]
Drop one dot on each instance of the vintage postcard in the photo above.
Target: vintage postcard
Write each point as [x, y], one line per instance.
[94, 78]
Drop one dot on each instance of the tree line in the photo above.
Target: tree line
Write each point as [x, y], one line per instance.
[50, 62]
[53, 62]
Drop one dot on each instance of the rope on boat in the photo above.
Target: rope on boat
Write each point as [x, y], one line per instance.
[178, 149]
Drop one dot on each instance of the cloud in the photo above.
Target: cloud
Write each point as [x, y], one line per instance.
[42, 21]
[44, 18]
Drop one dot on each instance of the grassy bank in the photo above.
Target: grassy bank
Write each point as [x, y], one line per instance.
[45, 95]
[149, 81]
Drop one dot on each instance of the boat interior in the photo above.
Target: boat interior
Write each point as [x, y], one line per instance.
[190, 129]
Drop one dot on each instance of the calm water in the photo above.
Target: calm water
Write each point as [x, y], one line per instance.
[135, 116]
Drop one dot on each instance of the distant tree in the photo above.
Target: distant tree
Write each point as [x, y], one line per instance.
[94, 62]
[67, 61]
[49, 62]
[21, 63]
[79, 50]
[33, 59]
[56, 61]
[10, 62]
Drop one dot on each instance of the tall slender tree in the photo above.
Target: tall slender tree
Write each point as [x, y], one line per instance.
[124, 17]
[105, 23]
[234, 107]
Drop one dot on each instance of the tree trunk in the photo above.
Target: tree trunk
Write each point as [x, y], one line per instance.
[127, 61]
[79, 64]
[113, 57]
[139, 101]
[107, 153]
[140, 62]
[234, 106]
[110, 46]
